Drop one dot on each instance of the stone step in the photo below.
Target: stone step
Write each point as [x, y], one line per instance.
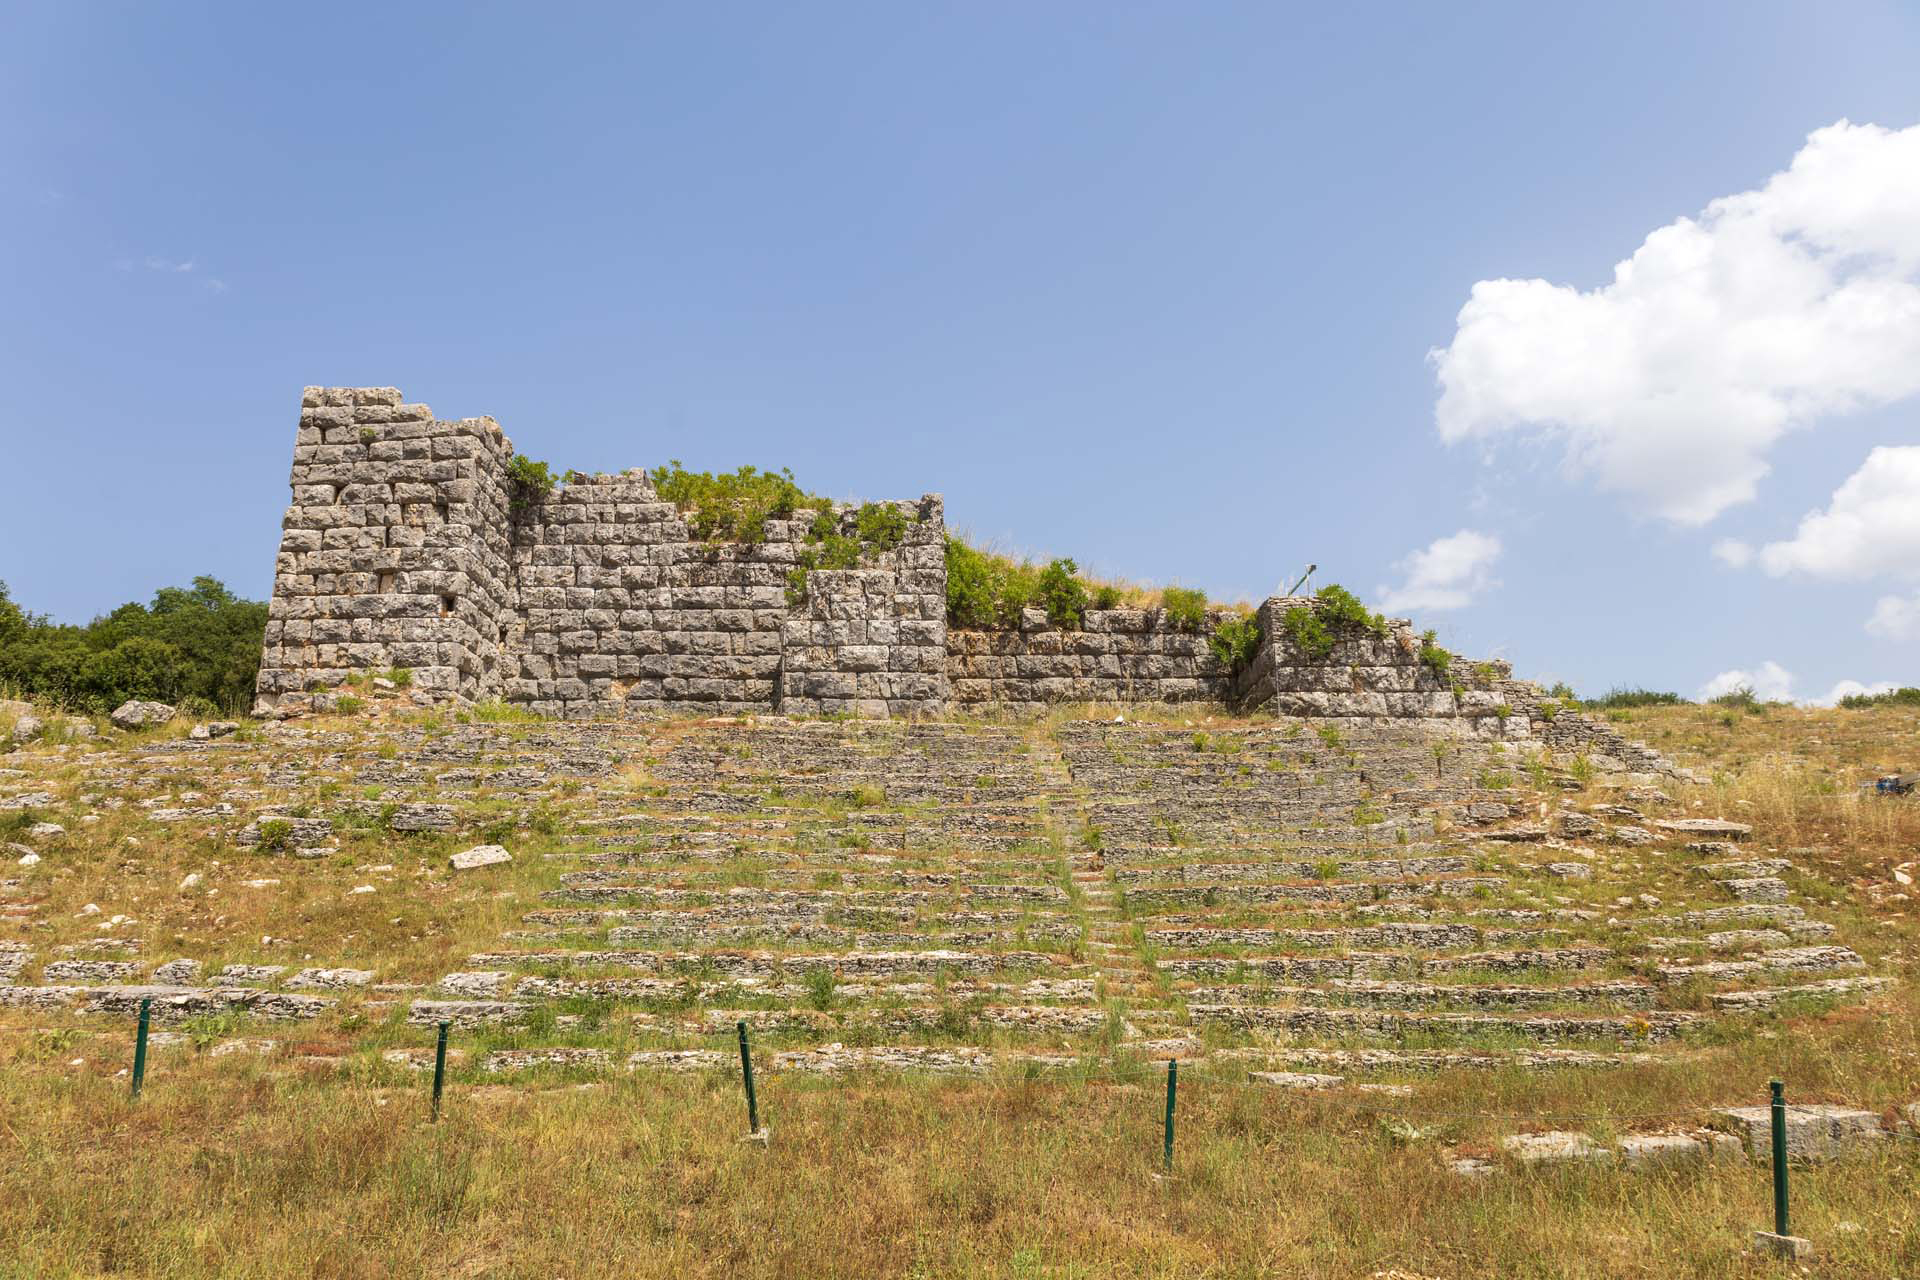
[1344, 993]
[1653, 1026]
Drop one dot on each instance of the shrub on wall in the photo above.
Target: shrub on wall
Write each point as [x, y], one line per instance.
[733, 506]
[1314, 631]
[1062, 595]
[1235, 641]
[528, 484]
[875, 527]
[986, 591]
[1186, 608]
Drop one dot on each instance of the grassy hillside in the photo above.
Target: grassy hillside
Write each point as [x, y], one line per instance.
[1078, 877]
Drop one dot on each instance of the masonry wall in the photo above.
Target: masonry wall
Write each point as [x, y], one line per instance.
[873, 641]
[400, 549]
[620, 609]
[391, 552]
[1118, 655]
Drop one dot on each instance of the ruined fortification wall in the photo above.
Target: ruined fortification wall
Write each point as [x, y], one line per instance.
[1118, 655]
[391, 552]
[873, 641]
[402, 549]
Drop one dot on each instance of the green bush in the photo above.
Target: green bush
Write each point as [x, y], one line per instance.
[1062, 595]
[1186, 608]
[1235, 641]
[1306, 632]
[1618, 698]
[1314, 631]
[199, 642]
[1432, 656]
[733, 506]
[877, 527]
[1907, 697]
[986, 592]
[1107, 596]
[276, 835]
[528, 484]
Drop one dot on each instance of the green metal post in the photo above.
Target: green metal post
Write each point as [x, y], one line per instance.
[746, 1072]
[1779, 1159]
[140, 1047]
[1173, 1070]
[439, 1071]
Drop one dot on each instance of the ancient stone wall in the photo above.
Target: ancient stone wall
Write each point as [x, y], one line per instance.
[1118, 655]
[619, 608]
[402, 548]
[873, 641]
[392, 552]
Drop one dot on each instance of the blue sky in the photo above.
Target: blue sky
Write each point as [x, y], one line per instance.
[1154, 286]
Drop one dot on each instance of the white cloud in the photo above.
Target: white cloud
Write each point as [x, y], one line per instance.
[1448, 574]
[169, 265]
[1853, 688]
[1774, 308]
[1770, 682]
[1895, 618]
[1734, 552]
[1871, 527]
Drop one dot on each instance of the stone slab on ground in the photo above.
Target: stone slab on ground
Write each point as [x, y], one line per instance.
[1817, 1131]
[481, 855]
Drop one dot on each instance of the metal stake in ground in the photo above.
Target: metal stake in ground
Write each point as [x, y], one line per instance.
[1779, 1158]
[439, 1071]
[746, 1074]
[1780, 1242]
[140, 1047]
[1173, 1069]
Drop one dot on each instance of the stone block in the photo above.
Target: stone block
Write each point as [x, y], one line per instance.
[1814, 1132]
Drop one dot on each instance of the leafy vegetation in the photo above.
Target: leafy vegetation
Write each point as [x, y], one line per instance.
[1235, 640]
[834, 542]
[1432, 656]
[1620, 698]
[197, 647]
[1739, 698]
[528, 484]
[733, 506]
[1314, 631]
[1186, 608]
[1062, 595]
[1907, 697]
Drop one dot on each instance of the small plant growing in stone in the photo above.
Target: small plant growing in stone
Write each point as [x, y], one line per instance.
[528, 484]
[1432, 656]
[820, 988]
[276, 835]
[1062, 595]
[1185, 607]
[732, 506]
[1235, 641]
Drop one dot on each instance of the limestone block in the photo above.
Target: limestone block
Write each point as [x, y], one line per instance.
[1814, 1132]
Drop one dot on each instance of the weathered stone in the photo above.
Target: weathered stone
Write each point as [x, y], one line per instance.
[1556, 1147]
[484, 855]
[1814, 1132]
[135, 714]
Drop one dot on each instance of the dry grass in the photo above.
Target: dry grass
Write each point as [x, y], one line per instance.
[317, 1161]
